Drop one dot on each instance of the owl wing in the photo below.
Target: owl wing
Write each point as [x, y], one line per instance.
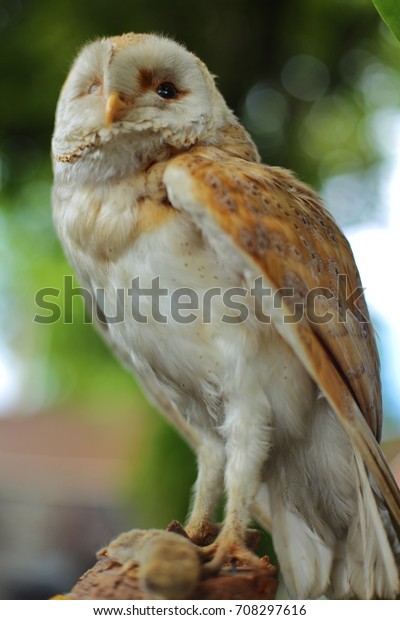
[282, 231]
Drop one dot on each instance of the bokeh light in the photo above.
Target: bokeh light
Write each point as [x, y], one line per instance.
[320, 93]
[305, 77]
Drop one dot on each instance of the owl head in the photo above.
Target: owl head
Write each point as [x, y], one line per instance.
[130, 100]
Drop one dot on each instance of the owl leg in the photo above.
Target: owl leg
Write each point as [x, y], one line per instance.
[247, 442]
[209, 484]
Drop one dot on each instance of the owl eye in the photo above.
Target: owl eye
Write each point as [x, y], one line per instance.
[166, 90]
[94, 87]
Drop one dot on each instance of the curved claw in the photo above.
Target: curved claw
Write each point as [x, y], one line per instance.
[206, 553]
[221, 554]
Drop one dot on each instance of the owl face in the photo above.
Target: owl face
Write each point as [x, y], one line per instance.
[129, 96]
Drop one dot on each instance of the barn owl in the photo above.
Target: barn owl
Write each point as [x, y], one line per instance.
[229, 291]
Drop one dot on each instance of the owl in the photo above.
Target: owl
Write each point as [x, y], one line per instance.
[225, 286]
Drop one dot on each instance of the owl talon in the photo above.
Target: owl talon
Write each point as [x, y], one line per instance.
[204, 534]
[158, 178]
[237, 555]
[206, 553]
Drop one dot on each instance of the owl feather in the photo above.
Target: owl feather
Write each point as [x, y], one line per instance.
[278, 391]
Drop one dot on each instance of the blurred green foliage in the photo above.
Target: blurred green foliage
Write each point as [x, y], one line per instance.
[306, 77]
[390, 11]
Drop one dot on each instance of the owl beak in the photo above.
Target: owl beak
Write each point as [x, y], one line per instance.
[114, 108]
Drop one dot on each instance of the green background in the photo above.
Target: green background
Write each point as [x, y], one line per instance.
[307, 78]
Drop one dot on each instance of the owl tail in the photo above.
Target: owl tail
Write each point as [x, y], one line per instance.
[305, 560]
[361, 565]
[370, 562]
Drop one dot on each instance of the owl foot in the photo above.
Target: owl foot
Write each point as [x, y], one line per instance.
[226, 550]
[203, 533]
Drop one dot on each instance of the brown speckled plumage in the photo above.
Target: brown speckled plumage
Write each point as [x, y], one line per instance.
[282, 225]
[157, 181]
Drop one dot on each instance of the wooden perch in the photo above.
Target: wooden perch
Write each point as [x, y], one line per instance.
[157, 564]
